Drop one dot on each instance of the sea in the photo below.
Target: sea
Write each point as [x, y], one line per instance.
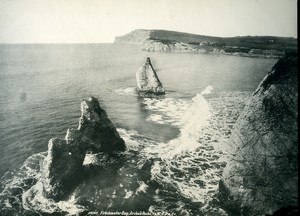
[175, 142]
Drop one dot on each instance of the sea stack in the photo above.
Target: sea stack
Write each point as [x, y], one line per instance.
[261, 176]
[98, 129]
[147, 79]
[62, 167]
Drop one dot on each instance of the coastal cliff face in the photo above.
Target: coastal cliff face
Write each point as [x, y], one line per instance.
[63, 166]
[147, 79]
[135, 37]
[261, 175]
[171, 41]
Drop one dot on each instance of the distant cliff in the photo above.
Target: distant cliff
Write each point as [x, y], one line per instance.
[261, 176]
[171, 41]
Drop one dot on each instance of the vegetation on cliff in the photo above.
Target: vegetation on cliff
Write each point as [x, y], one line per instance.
[163, 40]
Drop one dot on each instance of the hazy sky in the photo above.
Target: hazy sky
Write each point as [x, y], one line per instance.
[93, 21]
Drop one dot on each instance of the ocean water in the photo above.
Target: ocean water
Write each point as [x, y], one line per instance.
[174, 156]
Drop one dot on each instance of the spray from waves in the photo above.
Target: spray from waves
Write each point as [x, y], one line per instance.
[190, 163]
[195, 118]
[173, 111]
[207, 90]
[190, 116]
[179, 165]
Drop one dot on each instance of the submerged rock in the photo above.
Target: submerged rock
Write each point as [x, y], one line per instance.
[61, 169]
[261, 175]
[147, 79]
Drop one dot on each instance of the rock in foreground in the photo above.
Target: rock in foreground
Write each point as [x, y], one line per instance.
[147, 79]
[261, 175]
[61, 169]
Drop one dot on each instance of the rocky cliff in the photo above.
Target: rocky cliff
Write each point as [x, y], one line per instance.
[147, 79]
[261, 176]
[61, 169]
[171, 41]
[136, 37]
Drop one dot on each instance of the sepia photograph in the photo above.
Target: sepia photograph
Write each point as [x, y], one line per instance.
[148, 107]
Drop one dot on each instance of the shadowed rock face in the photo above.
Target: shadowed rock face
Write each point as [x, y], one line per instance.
[261, 175]
[61, 169]
[147, 79]
[97, 129]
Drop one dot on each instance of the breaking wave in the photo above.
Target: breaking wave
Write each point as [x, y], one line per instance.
[192, 163]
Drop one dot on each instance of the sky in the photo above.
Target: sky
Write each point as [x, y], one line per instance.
[99, 21]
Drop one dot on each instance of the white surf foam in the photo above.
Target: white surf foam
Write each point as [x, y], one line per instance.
[190, 162]
[127, 91]
[33, 199]
[193, 121]
[207, 90]
[190, 116]
[167, 110]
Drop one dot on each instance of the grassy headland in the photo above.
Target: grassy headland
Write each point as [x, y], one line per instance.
[163, 41]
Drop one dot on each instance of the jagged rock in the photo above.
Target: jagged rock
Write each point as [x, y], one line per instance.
[61, 169]
[261, 175]
[147, 79]
[98, 129]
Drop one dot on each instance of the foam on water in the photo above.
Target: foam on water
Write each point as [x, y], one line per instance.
[34, 200]
[190, 116]
[167, 110]
[127, 91]
[24, 189]
[192, 163]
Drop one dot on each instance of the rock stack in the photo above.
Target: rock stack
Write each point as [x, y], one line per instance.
[62, 167]
[147, 79]
[261, 176]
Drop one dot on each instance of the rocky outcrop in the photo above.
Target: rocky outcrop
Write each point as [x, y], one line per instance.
[61, 169]
[261, 175]
[97, 129]
[147, 79]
